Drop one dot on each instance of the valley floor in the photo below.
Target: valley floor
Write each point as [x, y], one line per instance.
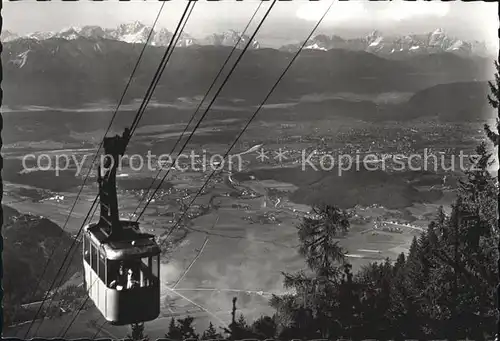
[227, 252]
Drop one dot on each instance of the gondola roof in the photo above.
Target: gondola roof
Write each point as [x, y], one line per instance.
[131, 244]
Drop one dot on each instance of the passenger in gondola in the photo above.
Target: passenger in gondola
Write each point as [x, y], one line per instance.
[121, 281]
[132, 283]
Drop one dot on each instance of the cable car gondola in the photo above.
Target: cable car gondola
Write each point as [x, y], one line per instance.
[121, 263]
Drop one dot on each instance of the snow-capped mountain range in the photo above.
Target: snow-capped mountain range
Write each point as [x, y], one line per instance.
[134, 33]
[375, 42]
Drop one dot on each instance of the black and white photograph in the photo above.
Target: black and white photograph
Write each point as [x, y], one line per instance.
[250, 170]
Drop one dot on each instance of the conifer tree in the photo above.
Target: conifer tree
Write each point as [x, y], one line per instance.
[174, 332]
[318, 236]
[211, 333]
[494, 100]
[494, 137]
[186, 328]
[137, 332]
[265, 327]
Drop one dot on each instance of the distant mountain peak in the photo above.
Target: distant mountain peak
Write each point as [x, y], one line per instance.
[230, 38]
[134, 32]
[376, 42]
[8, 36]
[374, 34]
[136, 24]
[439, 30]
[133, 27]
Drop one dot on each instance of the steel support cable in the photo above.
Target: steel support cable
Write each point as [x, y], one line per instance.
[136, 120]
[169, 53]
[252, 117]
[79, 310]
[257, 111]
[177, 39]
[84, 302]
[213, 99]
[200, 104]
[174, 44]
[66, 329]
[61, 280]
[100, 146]
[163, 64]
[99, 330]
[57, 274]
[95, 210]
[184, 273]
[246, 47]
[138, 116]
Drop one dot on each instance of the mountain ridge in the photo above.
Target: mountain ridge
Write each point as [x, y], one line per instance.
[397, 45]
[59, 72]
[133, 33]
[375, 42]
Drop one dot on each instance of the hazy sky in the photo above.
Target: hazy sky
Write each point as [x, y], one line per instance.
[287, 21]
